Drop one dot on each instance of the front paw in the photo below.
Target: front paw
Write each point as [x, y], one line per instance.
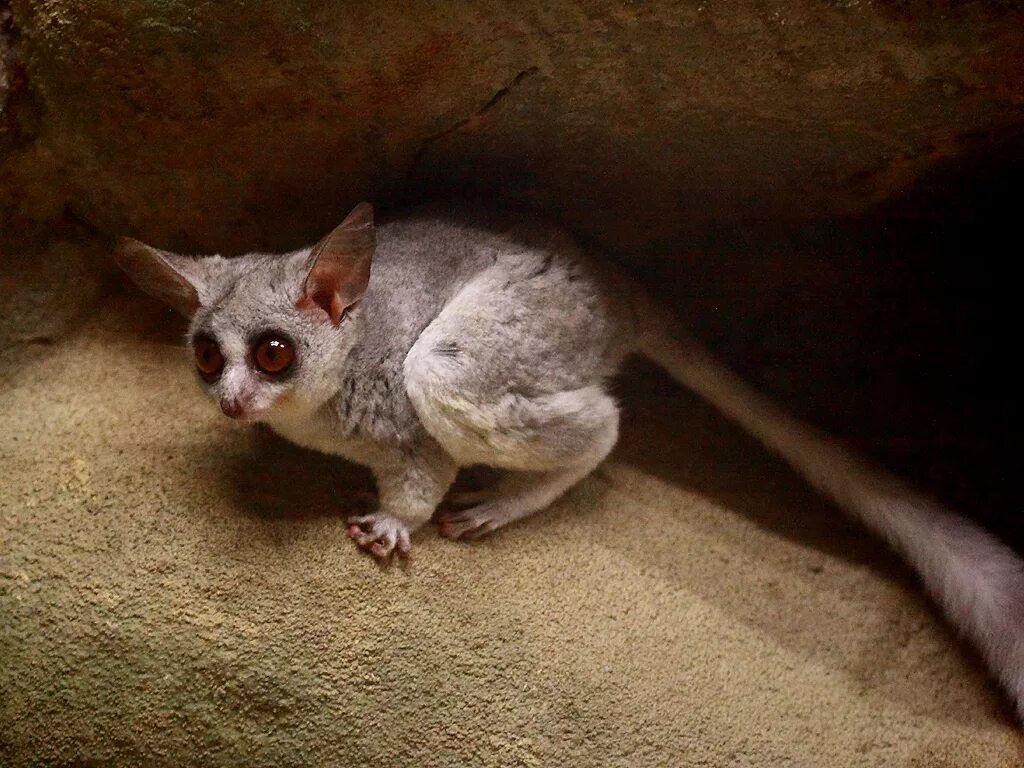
[380, 534]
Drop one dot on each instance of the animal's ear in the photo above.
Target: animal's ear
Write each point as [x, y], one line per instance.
[175, 280]
[339, 265]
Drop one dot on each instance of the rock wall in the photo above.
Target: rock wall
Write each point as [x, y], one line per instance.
[647, 126]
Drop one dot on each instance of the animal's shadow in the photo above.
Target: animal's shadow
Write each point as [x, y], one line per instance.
[274, 480]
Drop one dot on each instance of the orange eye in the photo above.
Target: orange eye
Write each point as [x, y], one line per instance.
[274, 354]
[209, 360]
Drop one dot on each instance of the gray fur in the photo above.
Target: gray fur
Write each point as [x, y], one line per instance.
[490, 341]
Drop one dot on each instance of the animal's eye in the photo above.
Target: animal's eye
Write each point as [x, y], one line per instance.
[273, 354]
[209, 360]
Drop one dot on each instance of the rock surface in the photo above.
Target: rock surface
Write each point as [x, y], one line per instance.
[647, 126]
[178, 590]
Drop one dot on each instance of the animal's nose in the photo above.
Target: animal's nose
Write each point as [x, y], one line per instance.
[233, 408]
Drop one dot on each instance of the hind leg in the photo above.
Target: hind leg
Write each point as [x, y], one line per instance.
[516, 497]
[552, 441]
[510, 375]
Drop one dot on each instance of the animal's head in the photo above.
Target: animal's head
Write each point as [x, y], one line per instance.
[268, 333]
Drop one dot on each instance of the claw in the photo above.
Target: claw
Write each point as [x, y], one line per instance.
[380, 535]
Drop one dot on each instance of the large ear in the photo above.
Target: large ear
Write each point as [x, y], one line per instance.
[339, 265]
[166, 276]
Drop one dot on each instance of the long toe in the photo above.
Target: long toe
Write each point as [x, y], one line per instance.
[463, 524]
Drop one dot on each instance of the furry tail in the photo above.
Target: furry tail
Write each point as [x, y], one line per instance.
[977, 580]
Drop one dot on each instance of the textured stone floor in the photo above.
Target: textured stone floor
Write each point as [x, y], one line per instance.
[178, 590]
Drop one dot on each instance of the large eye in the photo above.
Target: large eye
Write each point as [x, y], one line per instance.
[209, 360]
[273, 354]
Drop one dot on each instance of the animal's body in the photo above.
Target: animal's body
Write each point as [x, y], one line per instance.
[489, 342]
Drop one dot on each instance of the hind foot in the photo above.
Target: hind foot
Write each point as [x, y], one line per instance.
[475, 522]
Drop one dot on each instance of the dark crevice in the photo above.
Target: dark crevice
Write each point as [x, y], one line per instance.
[471, 120]
[19, 110]
[73, 225]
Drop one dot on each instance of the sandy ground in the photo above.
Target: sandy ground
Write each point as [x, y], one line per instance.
[178, 590]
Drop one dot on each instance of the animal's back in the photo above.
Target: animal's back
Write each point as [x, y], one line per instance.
[552, 316]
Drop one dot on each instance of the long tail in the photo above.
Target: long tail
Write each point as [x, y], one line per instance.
[976, 579]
